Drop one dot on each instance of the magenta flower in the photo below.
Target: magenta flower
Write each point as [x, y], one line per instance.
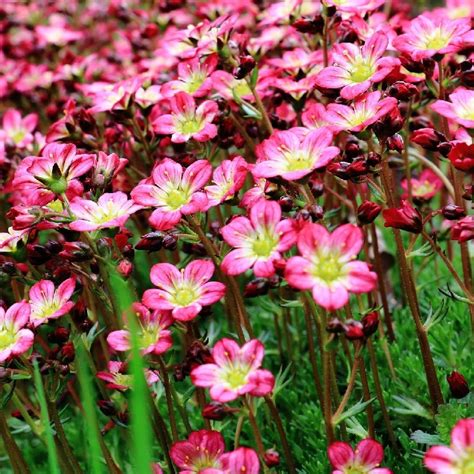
[258, 241]
[152, 334]
[47, 302]
[365, 111]
[16, 130]
[356, 69]
[327, 265]
[118, 378]
[459, 457]
[184, 292]
[200, 453]
[54, 172]
[228, 178]
[9, 240]
[460, 109]
[314, 115]
[235, 371]
[173, 192]
[355, 6]
[111, 210]
[186, 121]
[364, 460]
[295, 153]
[242, 460]
[426, 186]
[430, 35]
[14, 339]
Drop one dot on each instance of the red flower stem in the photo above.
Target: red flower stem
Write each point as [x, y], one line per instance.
[238, 431]
[256, 432]
[410, 290]
[18, 464]
[169, 399]
[261, 108]
[369, 409]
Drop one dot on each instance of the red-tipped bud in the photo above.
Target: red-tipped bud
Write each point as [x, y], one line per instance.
[451, 212]
[76, 252]
[402, 90]
[247, 63]
[257, 287]
[395, 143]
[125, 268]
[309, 25]
[107, 407]
[404, 217]
[59, 336]
[354, 330]
[271, 458]
[458, 385]
[216, 411]
[463, 230]
[334, 326]
[389, 125]
[368, 211]
[370, 323]
[462, 157]
[427, 138]
[152, 241]
[67, 353]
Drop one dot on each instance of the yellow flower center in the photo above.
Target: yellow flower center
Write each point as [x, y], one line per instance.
[264, 245]
[236, 376]
[189, 125]
[361, 70]
[194, 82]
[18, 136]
[438, 39]
[328, 268]
[177, 198]
[466, 464]
[106, 214]
[184, 296]
[45, 310]
[7, 339]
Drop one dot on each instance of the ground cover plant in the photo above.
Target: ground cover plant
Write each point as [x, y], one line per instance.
[235, 237]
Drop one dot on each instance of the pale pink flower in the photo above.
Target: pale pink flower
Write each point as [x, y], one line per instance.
[149, 96]
[258, 241]
[117, 376]
[111, 210]
[9, 240]
[107, 97]
[57, 35]
[174, 192]
[327, 267]
[297, 59]
[48, 302]
[354, 6]
[194, 77]
[241, 460]
[55, 172]
[295, 153]
[227, 180]
[460, 109]
[16, 130]
[106, 167]
[355, 68]
[428, 35]
[459, 457]
[14, 338]
[365, 111]
[235, 371]
[365, 459]
[184, 292]
[153, 334]
[426, 186]
[230, 88]
[186, 121]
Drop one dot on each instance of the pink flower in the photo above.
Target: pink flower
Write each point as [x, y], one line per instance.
[355, 6]
[152, 334]
[295, 153]
[314, 115]
[428, 35]
[9, 240]
[460, 109]
[424, 187]
[356, 69]
[184, 292]
[200, 453]
[118, 378]
[106, 167]
[463, 230]
[186, 121]
[258, 241]
[364, 460]
[111, 210]
[235, 371]
[365, 111]
[228, 178]
[242, 460]
[54, 172]
[173, 192]
[17, 130]
[47, 302]
[326, 265]
[14, 339]
[457, 459]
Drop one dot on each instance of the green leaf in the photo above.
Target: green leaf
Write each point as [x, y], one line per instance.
[353, 411]
[425, 438]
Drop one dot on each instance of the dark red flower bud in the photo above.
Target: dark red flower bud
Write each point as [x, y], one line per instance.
[334, 326]
[368, 211]
[462, 157]
[198, 353]
[373, 159]
[395, 143]
[316, 186]
[404, 217]
[53, 246]
[402, 90]
[38, 254]
[257, 287]
[279, 265]
[59, 336]
[286, 203]
[309, 25]
[9, 268]
[370, 323]
[271, 458]
[458, 385]
[216, 411]
[427, 138]
[345, 170]
[125, 268]
[453, 212]
[246, 64]
[67, 353]
[352, 149]
[463, 230]
[389, 124]
[170, 242]
[150, 30]
[353, 330]
[107, 407]
[76, 252]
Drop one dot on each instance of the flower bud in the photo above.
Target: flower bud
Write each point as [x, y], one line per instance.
[309, 25]
[458, 385]
[170, 242]
[451, 212]
[38, 254]
[76, 252]
[370, 323]
[402, 90]
[256, 287]
[395, 143]
[334, 326]
[404, 217]
[59, 336]
[373, 159]
[152, 241]
[271, 458]
[463, 230]
[286, 203]
[368, 211]
[427, 138]
[67, 353]
[107, 407]
[353, 330]
[247, 63]
[216, 411]
[462, 157]
[389, 124]
[125, 268]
